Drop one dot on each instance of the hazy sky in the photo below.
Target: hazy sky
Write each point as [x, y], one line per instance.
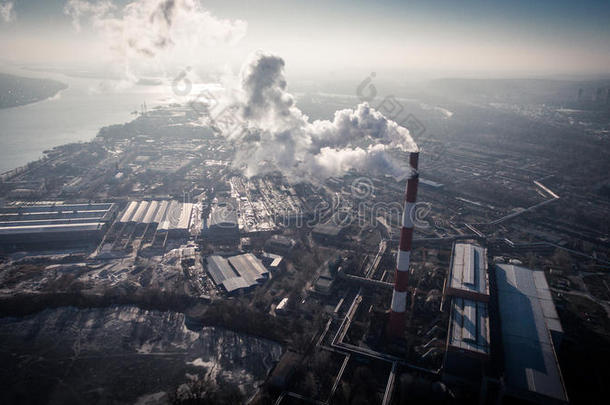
[505, 37]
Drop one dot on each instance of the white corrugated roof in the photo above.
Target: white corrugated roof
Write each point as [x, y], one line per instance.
[469, 269]
[150, 212]
[185, 216]
[160, 215]
[469, 325]
[172, 216]
[140, 212]
[129, 211]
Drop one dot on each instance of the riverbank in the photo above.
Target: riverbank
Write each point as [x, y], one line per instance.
[75, 114]
[18, 91]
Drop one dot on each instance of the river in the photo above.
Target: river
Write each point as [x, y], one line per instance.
[74, 115]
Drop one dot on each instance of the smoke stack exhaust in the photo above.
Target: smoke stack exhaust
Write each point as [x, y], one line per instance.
[396, 324]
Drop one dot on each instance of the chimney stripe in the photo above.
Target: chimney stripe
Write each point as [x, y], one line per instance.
[412, 188]
[402, 260]
[396, 323]
[402, 281]
[406, 236]
[407, 215]
[399, 301]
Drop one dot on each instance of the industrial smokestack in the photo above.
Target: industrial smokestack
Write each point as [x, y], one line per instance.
[396, 324]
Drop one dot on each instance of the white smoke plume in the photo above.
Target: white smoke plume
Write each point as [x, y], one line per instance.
[153, 33]
[80, 10]
[7, 14]
[276, 135]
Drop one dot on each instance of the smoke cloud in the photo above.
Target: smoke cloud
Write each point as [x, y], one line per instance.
[7, 13]
[148, 33]
[276, 135]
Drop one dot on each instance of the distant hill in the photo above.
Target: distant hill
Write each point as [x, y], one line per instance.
[589, 94]
[16, 90]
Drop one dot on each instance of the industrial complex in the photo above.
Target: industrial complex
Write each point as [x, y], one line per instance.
[28, 226]
[466, 286]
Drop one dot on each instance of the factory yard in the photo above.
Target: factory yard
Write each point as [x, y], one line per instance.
[153, 217]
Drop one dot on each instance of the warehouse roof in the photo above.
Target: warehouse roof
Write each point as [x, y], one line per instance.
[38, 215]
[236, 283]
[140, 212]
[129, 211]
[168, 215]
[527, 314]
[249, 267]
[468, 272]
[32, 208]
[32, 218]
[327, 229]
[53, 221]
[219, 269]
[172, 216]
[185, 216]
[14, 230]
[160, 214]
[60, 212]
[242, 271]
[469, 326]
[150, 212]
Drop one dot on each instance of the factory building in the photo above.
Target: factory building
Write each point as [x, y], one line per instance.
[279, 244]
[469, 327]
[41, 226]
[324, 283]
[225, 276]
[249, 267]
[468, 341]
[328, 273]
[519, 359]
[273, 262]
[282, 307]
[171, 217]
[177, 219]
[530, 330]
[468, 273]
[466, 294]
[328, 233]
[237, 273]
[222, 227]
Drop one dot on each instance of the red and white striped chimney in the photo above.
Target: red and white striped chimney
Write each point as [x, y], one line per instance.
[396, 324]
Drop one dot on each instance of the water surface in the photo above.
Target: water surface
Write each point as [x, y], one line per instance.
[74, 115]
